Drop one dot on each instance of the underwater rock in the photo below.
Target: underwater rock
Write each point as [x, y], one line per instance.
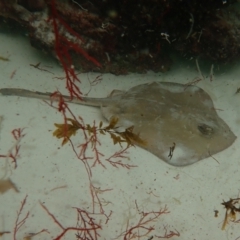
[121, 37]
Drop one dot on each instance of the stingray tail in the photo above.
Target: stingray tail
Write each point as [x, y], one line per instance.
[47, 96]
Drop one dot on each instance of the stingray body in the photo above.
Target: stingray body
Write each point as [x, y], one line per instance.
[179, 124]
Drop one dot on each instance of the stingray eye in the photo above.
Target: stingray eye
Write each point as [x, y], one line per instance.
[205, 129]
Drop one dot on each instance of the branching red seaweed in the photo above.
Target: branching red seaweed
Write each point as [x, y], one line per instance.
[64, 46]
[119, 163]
[145, 225]
[19, 223]
[86, 228]
[13, 152]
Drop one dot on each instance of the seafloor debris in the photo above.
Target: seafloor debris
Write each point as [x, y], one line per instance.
[232, 208]
[128, 36]
[7, 184]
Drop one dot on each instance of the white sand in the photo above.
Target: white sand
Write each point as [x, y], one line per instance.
[52, 174]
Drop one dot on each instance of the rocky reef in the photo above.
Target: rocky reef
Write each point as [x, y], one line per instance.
[128, 35]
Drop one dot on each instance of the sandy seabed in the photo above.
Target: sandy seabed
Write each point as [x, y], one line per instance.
[50, 175]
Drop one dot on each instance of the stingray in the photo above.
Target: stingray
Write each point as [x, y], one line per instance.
[178, 123]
